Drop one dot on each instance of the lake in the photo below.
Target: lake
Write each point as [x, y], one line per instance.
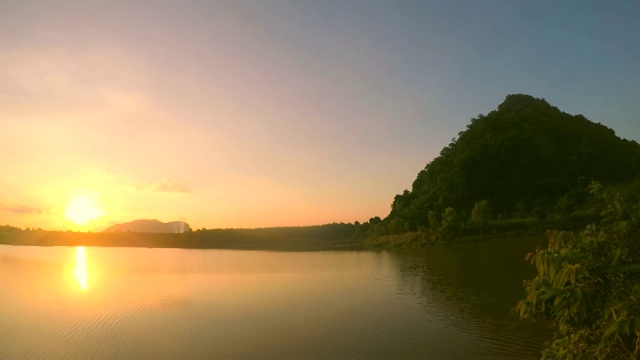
[446, 302]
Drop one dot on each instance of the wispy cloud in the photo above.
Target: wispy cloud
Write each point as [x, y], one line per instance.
[21, 209]
[163, 185]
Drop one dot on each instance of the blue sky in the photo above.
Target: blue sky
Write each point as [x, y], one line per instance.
[264, 113]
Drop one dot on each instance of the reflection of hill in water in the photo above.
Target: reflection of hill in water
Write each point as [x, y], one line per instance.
[479, 283]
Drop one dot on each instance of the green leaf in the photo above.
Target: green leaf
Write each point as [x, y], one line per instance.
[615, 256]
[611, 329]
[623, 326]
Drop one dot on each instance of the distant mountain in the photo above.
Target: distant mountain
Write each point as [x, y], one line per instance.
[525, 157]
[150, 226]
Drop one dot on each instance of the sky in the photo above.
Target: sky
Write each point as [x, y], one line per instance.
[266, 113]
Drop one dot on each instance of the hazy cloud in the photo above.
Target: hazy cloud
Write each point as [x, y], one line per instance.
[165, 186]
[21, 209]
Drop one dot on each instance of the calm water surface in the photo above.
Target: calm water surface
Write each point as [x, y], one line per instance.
[448, 302]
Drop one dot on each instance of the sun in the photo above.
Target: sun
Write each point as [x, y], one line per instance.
[82, 210]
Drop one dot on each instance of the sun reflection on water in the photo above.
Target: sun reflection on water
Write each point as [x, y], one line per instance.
[80, 270]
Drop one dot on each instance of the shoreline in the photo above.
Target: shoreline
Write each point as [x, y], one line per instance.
[311, 238]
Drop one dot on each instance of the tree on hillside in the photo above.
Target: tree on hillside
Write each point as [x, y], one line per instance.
[397, 226]
[450, 224]
[434, 222]
[481, 213]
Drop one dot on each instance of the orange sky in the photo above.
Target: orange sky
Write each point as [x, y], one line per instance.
[271, 113]
[93, 123]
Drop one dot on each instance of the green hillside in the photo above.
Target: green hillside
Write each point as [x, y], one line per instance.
[526, 158]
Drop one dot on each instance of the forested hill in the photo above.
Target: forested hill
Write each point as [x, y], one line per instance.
[525, 158]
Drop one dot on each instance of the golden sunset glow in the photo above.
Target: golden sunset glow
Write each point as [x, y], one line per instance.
[80, 270]
[266, 114]
[82, 210]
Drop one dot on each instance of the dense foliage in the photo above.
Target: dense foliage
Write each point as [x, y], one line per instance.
[527, 158]
[588, 283]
